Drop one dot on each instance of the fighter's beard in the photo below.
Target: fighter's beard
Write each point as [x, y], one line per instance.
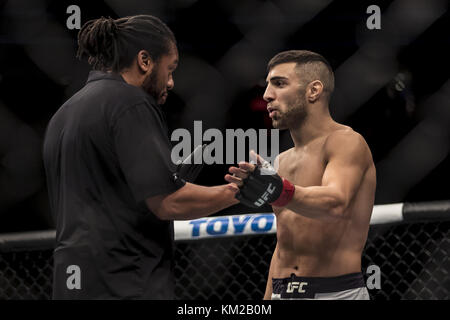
[292, 118]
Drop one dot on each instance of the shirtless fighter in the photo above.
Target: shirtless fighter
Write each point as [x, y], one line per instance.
[323, 193]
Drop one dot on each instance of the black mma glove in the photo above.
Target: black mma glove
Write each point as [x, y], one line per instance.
[264, 185]
[187, 170]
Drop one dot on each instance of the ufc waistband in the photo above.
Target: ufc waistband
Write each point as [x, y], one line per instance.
[296, 287]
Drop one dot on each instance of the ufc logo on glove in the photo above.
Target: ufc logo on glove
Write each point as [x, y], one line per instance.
[265, 197]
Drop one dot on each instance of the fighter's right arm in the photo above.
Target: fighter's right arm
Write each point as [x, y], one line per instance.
[192, 201]
[268, 293]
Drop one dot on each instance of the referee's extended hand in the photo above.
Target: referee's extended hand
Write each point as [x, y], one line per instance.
[245, 168]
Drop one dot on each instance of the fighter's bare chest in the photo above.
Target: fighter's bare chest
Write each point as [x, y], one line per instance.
[304, 167]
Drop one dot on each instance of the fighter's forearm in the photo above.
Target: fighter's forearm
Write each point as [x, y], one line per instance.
[194, 201]
[318, 202]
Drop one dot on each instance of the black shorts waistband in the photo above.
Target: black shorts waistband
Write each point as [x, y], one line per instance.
[307, 287]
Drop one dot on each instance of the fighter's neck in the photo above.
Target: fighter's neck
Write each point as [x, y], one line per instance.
[313, 127]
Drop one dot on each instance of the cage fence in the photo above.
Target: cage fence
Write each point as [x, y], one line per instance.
[412, 256]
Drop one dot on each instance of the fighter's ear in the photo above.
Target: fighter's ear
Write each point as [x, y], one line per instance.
[144, 61]
[314, 90]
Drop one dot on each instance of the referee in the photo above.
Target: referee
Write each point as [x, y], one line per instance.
[109, 170]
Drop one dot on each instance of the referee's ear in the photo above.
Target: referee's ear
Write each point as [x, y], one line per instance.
[144, 61]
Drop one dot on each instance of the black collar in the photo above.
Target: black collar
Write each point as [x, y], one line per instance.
[95, 75]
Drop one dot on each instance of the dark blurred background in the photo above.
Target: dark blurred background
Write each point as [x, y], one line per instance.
[392, 84]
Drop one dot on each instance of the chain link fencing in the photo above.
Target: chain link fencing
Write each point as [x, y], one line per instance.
[413, 259]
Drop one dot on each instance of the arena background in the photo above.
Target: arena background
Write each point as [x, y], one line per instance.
[392, 84]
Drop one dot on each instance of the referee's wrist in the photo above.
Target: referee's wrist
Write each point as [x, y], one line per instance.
[231, 190]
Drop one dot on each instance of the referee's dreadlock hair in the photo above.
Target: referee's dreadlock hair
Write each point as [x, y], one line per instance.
[112, 45]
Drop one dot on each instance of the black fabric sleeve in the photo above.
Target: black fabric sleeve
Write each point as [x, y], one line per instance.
[143, 149]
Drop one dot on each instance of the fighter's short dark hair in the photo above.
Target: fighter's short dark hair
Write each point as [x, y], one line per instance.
[321, 67]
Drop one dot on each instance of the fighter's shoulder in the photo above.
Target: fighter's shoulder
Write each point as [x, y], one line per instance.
[346, 139]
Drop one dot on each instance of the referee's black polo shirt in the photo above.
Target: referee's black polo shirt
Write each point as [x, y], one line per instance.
[105, 151]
